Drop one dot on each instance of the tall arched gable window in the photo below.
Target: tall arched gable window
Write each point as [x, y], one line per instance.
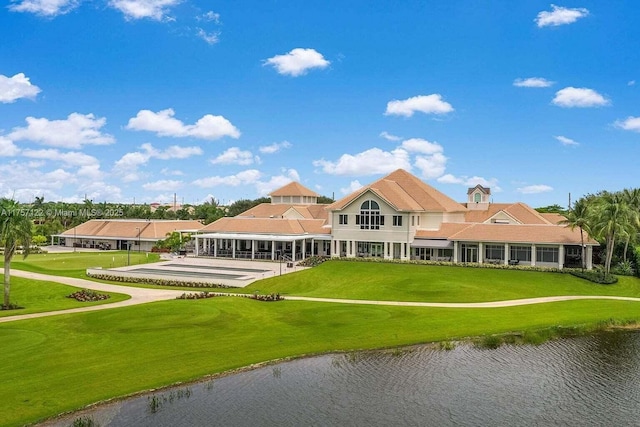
[477, 197]
[370, 218]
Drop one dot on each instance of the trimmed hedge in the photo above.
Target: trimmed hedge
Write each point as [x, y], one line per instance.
[596, 277]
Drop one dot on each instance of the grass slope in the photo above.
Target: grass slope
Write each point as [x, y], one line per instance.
[74, 264]
[61, 363]
[38, 296]
[410, 282]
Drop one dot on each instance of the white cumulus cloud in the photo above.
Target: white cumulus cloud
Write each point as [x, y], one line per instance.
[48, 8]
[560, 16]
[532, 82]
[164, 124]
[534, 189]
[419, 145]
[630, 123]
[566, 141]
[389, 137]
[140, 9]
[8, 148]
[353, 186]
[210, 38]
[247, 177]
[579, 97]
[427, 104]
[163, 185]
[275, 147]
[235, 156]
[370, 162]
[470, 181]
[16, 87]
[73, 132]
[297, 62]
[263, 188]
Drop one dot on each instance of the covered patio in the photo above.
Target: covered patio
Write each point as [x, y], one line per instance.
[261, 246]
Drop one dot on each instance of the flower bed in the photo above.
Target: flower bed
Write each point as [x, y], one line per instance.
[159, 282]
[87, 295]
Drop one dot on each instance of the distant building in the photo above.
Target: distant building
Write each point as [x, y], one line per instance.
[122, 234]
[396, 217]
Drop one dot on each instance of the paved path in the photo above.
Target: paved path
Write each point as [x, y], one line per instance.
[138, 295]
[145, 295]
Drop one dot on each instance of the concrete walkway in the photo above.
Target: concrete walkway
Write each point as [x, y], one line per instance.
[145, 295]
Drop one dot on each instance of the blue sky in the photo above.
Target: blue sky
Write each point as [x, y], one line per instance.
[116, 100]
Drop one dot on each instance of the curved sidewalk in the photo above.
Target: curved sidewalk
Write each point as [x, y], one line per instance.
[138, 295]
[145, 295]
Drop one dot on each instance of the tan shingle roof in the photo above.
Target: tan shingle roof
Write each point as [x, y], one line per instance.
[128, 229]
[520, 233]
[521, 212]
[405, 192]
[267, 210]
[553, 218]
[293, 189]
[266, 226]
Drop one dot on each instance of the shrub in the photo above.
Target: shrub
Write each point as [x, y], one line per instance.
[596, 276]
[624, 268]
[87, 295]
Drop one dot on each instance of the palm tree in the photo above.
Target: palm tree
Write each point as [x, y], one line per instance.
[612, 217]
[578, 216]
[632, 198]
[15, 230]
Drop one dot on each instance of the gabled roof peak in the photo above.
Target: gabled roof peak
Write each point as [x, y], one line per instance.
[294, 189]
[485, 190]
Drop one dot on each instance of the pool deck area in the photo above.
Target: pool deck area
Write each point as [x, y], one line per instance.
[220, 271]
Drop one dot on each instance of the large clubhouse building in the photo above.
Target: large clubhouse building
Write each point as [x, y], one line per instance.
[396, 217]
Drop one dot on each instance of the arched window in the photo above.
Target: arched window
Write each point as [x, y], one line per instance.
[477, 197]
[370, 218]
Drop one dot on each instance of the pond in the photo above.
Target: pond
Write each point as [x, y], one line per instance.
[586, 381]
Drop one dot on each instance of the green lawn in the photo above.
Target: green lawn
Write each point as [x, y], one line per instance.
[74, 264]
[64, 362]
[37, 296]
[410, 282]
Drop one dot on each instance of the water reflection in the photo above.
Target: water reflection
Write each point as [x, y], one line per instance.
[587, 381]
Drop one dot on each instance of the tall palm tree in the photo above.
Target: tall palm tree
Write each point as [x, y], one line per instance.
[632, 198]
[612, 218]
[578, 216]
[15, 230]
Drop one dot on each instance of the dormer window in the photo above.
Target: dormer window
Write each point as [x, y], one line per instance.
[370, 218]
[477, 197]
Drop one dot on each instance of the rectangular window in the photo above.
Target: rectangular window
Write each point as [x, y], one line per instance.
[343, 219]
[520, 253]
[494, 252]
[546, 254]
[397, 220]
[413, 220]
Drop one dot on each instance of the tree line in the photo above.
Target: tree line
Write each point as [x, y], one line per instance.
[613, 219]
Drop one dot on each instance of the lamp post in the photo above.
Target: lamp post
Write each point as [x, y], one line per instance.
[138, 228]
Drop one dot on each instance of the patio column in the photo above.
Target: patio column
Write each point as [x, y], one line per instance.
[313, 242]
[293, 250]
[197, 243]
[233, 248]
[480, 252]
[215, 248]
[455, 251]
[561, 257]
[533, 255]
[304, 248]
[253, 247]
[506, 254]
[588, 253]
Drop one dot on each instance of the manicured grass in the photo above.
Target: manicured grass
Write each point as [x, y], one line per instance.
[74, 264]
[38, 296]
[410, 282]
[61, 363]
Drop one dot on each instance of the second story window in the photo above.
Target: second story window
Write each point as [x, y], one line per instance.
[343, 219]
[369, 218]
[397, 220]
